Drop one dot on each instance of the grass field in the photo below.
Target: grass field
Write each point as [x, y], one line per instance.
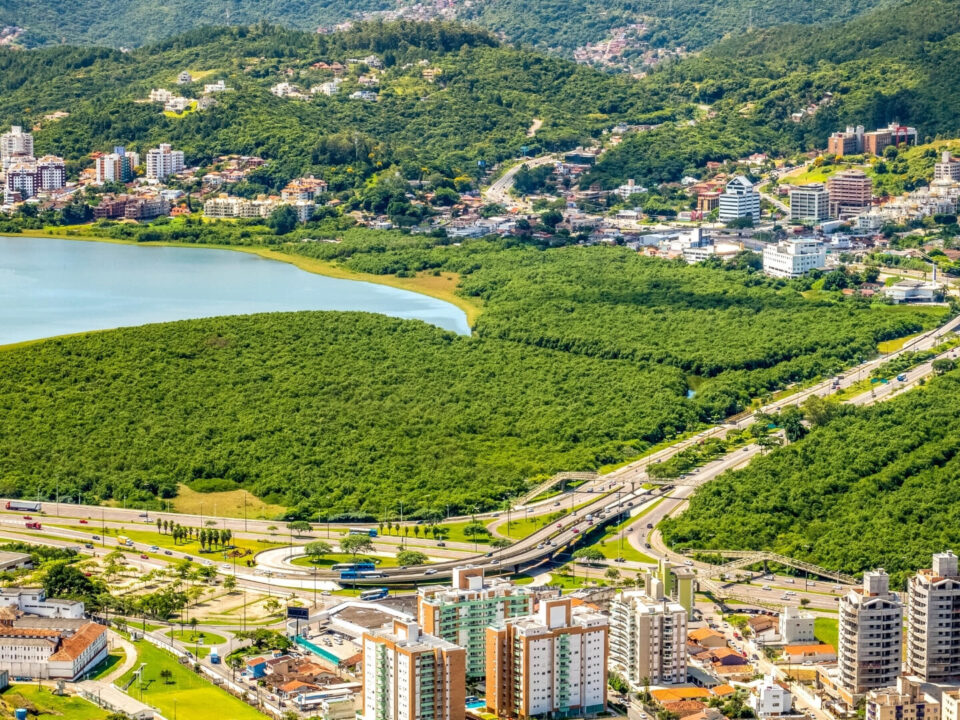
[186, 694]
[826, 630]
[42, 704]
[190, 637]
[165, 541]
[115, 658]
[232, 503]
[328, 560]
[610, 545]
[455, 531]
[890, 346]
[521, 528]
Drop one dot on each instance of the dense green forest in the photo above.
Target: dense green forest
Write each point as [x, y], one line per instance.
[480, 110]
[892, 64]
[581, 357]
[869, 487]
[544, 23]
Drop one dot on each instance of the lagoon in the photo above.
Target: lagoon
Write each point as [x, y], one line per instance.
[56, 287]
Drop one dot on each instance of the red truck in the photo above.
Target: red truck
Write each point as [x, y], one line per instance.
[33, 525]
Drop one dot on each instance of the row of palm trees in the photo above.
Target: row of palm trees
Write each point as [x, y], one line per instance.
[438, 532]
[207, 537]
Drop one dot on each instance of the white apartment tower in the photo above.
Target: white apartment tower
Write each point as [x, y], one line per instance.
[15, 146]
[947, 168]
[739, 200]
[648, 637]
[810, 203]
[552, 664]
[869, 648]
[408, 675]
[460, 613]
[51, 173]
[163, 162]
[793, 258]
[933, 621]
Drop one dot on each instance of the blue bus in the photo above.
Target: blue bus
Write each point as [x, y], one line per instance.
[375, 594]
[372, 532]
[359, 566]
[360, 575]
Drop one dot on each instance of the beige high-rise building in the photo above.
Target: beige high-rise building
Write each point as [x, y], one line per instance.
[15, 146]
[553, 663]
[461, 613]
[908, 700]
[933, 621]
[408, 675]
[851, 193]
[870, 640]
[648, 637]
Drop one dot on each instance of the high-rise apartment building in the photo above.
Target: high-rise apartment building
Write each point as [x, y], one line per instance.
[163, 162]
[409, 675]
[552, 663]
[15, 146]
[460, 613]
[947, 168]
[739, 200]
[851, 192]
[908, 699]
[21, 182]
[648, 636]
[933, 621]
[51, 173]
[677, 583]
[117, 166]
[870, 640]
[810, 203]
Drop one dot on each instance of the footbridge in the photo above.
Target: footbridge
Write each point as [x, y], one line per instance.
[745, 558]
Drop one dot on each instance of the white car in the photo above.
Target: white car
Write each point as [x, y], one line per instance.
[431, 571]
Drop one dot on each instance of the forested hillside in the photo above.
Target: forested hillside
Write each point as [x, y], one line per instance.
[544, 23]
[480, 109]
[893, 64]
[582, 357]
[872, 487]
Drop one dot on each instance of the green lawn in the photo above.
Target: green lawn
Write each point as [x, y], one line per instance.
[826, 630]
[334, 558]
[106, 665]
[190, 637]
[522, 527]
[195, 698]
[455, 533]
[47, 705]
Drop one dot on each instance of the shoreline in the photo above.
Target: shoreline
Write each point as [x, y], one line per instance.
[428, 285]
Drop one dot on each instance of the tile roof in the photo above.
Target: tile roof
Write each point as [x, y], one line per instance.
[677, 694]
[818, 649]
[73, 646]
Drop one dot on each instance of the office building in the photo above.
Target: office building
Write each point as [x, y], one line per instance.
[51, 173]
[793, 258]
[739, 200]
[908, 699]
[409, 675]
[870, 638]
[947, 168]
[15, 146]
[163, 162]
[933, 632]
[854, 141]
[553, 663]
[848, 142]
[810, 204]
[648, 637]
[851, 192]
[796, 627]
[460, 613]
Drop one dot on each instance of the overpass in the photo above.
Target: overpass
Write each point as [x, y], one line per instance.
[561, 479]
[745, 558]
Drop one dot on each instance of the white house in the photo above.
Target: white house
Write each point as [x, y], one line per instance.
[793, 258]
[769, 698]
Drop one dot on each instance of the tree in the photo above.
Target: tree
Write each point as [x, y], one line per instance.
[612, 574]
[271, 605]
[406, 558]
[791, 420]
[166, 676]
[356, 544]
[283, 219]
[159, 524]
[316, 550]
[588, 555]
[229, 583]
[66, 581]
[943, 365]
[474, 529]
[235, 662]
[299, 527]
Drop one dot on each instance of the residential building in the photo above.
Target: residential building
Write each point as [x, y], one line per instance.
[809, 654]
[184, 78]
[146, 208]
[769, 698]
[51, 173]
[677, 580]
[870, 638]
[947, 168]
[909, 699]
[15, 145]
[553, 663]
[851, 192]
[409, 675]
[933, 634]
[218, 86]
[810, 203]
[47, 653]
[707, 202]
[163, 162]
[461, 612]
[950, 705]
[22, 182]
[793, 258]
[796, 626]
[739, 200]
[117, 166]
[648, 636]
[630, 188]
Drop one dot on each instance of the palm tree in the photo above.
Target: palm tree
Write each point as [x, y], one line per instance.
[159, 524]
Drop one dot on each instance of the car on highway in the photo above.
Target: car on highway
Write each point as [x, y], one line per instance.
[441, 544]
[88, 545]
[95, 537]
[154, 548]
[766, 587]
[576, 531]
[168, 552]
[144, 556]
[494, 562]
[902, 377]
[489, 554]
[620, 559]
[431, 571]
[83, 522]
[789, 580]
[541, 546]
[28, 517]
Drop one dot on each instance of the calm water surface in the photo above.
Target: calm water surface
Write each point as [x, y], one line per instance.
[53, 287]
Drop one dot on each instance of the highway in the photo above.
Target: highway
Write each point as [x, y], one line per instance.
[499, 190]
